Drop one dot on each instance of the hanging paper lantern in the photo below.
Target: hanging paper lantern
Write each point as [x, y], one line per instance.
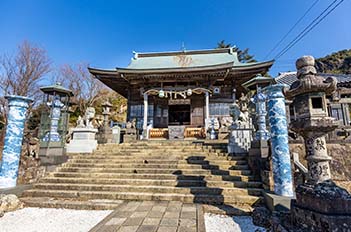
[161, 94]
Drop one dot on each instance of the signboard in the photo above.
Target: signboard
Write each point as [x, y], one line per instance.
[179, 101]
[176, 132]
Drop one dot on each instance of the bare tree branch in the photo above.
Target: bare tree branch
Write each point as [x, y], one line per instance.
[85, 87]
[20, 74]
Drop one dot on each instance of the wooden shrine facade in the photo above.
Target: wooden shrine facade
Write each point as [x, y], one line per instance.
[181, 88]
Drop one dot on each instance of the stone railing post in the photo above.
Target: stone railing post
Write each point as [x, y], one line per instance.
[13, 140]
[282, 176]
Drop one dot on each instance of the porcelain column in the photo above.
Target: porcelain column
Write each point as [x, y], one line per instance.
[13, 140]
[283, 184]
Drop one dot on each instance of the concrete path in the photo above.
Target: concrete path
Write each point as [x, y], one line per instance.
[150, 216]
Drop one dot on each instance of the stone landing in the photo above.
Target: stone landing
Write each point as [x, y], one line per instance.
[151, 216]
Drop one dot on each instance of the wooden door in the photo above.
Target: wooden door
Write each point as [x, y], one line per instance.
[161, 113]
[197, 111]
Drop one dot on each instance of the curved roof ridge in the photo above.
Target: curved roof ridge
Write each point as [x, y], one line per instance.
[183, 52]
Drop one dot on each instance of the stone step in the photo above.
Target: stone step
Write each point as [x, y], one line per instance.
[159, 170]
[49, 202]
[151, 156]
[140, 148]
[151, 144]
[147, 189]
[129, 151]
[183, 171]
[138, 182]
[103, 204]
[158, 166]
[227, 209]
[159, 161]
[153, 176]
[186, 198]
[130, 157]
[155, 147]
[157, 153]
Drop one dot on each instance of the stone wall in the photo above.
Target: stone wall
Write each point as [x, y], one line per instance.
[29, 170]
[341, 163]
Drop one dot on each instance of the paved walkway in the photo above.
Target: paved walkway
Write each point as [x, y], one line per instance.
[151, 216]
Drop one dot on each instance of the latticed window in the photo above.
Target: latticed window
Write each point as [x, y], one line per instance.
[137, 112]
[219, 109]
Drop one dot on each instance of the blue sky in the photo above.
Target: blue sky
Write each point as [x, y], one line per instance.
[104, 33]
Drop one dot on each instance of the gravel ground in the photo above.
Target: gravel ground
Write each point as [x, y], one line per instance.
[53, 220]
[221, 223]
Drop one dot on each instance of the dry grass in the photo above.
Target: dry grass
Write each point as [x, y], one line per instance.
[344, 184]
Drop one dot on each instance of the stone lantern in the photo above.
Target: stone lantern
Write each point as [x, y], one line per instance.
[53, 124]
[311, 121]
[106, 107]
[320, 204]
[105, 132]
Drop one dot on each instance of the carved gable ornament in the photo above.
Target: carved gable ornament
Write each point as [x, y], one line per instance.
[183, 60]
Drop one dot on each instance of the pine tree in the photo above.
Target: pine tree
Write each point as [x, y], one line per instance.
[243, 55]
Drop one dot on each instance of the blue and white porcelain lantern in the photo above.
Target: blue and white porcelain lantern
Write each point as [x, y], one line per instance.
[56, 105]
[54, 120]
[261, 112]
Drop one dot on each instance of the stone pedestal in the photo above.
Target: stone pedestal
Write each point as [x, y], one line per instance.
[260, 163]
[129, 135]
[104, 135]
[116, 135]
[176, 132]
[53, 155]
[322, 207]
[240, 138]
[13, 140]
[83, 141]
[223, 133]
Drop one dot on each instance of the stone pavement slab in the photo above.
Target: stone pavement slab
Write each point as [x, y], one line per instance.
[153, 216]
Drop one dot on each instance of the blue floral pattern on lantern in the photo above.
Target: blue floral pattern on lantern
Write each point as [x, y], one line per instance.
[283, 184]
[56, 106]
[260, 101]
[13, 140]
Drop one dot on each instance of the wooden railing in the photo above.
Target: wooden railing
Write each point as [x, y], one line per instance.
[198, 133]
[158, 133]
[162, 133]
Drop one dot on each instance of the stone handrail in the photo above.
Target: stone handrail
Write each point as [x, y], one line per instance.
[299, 165]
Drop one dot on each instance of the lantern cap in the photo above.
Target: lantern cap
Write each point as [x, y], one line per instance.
[57, 89]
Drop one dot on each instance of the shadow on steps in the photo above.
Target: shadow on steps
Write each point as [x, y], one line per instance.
[216, 198]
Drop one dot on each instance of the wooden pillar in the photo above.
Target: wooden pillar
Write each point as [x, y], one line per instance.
[207, 105]
[145, 115]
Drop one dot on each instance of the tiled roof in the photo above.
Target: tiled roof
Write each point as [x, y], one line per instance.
[290, 77]
[186, 59]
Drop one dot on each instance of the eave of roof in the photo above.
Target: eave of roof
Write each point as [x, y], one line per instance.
[290, 77]
[257, 80]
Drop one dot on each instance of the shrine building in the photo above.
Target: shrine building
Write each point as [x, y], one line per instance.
[181, 88]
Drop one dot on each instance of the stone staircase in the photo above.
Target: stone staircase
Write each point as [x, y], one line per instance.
[154, 170]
